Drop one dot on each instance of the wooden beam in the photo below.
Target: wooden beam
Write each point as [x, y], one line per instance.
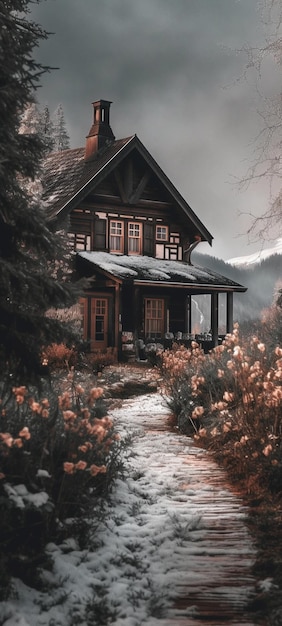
[188, 315]
[229, 312]
[121, 189]
[135, 196]
[117, 314]
[128, 179]
[104, 200]
[214, 317]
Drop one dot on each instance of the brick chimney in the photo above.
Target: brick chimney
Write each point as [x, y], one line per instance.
[100, 131]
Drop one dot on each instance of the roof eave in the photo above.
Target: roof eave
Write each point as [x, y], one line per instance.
[191, 286]
[174, 192]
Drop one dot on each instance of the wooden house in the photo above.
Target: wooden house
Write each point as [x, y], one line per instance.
[133, 235]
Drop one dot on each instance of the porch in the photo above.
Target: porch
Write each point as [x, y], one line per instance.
[135, 303]
[136, 349]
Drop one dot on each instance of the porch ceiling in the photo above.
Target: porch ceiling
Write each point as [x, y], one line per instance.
[158, 272]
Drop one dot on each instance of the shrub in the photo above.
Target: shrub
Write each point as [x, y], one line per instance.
[96, 361]
[56, 458]
[231, 399]
[59, 356]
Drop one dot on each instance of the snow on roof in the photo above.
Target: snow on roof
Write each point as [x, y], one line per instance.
[148, 269]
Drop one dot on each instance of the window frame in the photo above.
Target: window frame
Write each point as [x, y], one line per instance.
[160, 238]
[116, 235]
[80, 241]
[138, 238]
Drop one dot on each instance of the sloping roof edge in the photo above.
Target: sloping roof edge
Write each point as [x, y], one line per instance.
[114, 160]
[173, 191]
[94, 179]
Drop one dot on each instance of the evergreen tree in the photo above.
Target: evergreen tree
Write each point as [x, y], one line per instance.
[30, 120]
[29, 249]
[46, 128]
[60, 134]
[35, 120]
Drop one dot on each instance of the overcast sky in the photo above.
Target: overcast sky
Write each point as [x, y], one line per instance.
[171, 69]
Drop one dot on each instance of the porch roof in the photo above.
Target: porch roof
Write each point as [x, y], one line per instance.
[158, 272]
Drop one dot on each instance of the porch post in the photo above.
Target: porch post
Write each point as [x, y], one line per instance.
[214, 317]
[117, 319]
[188, 317]
[229, 312]
[136, 312]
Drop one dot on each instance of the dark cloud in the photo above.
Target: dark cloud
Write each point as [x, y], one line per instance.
[166, 66]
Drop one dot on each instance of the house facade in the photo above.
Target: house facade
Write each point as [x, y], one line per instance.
[133, 235]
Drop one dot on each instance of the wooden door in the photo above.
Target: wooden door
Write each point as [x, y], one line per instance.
[99, 323]
[154, 317]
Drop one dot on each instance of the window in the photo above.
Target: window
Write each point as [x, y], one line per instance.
[174, 238]
[154, 317]
[116, 236]
[134, 238]
[162, 233]
[168, 244]
[80, 242]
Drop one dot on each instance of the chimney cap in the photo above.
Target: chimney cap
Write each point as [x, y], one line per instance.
[102, 102]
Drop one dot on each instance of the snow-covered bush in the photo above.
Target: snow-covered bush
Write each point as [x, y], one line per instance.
[59, 456]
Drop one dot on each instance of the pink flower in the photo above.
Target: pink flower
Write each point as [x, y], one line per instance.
[24, 433]
[261, 347]
[96, 469]
[68, 415]
[69, 468]
[228, 396]
[198, 412]
[18, 443]
[7, 439]
[80, 465]
[95, 393]
[266, 451]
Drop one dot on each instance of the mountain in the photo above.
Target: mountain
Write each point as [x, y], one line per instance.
[257, 257]
[262, 279]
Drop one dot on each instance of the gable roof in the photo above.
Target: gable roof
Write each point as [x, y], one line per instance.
[158, 272]
[68, 178]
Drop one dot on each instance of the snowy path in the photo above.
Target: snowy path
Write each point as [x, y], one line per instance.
[171, 548]
[209, 565]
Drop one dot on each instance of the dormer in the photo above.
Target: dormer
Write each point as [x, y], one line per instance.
[100, 132]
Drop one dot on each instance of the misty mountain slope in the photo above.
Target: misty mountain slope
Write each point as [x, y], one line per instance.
[262, 280]
[257, 257]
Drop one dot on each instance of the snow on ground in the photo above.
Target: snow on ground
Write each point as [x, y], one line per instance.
[142, 550]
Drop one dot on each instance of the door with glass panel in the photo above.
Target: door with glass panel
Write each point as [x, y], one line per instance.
[154, 317]
[99, 323]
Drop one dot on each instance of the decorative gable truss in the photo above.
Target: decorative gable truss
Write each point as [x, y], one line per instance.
[131, 212]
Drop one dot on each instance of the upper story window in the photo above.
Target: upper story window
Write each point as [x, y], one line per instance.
[134, 238]
[80, 241]
[168, 244]
[116, 236]
[162, 233]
